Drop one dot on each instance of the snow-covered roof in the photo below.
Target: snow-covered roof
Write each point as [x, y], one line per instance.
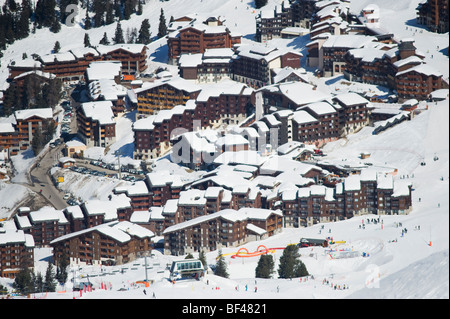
[298, 92]
[320, 108]
[119, 231]
[351, 98]
[101, 207]
[106, 89]
[348, 41]
[228, 214]
[132, 48]
[100, 111]
[6, 128]
[40, 73]
[103, 70]
[425, 69]
[44, 113]
[302, 117]
[58, 57]
[192, 197]
[10, 236]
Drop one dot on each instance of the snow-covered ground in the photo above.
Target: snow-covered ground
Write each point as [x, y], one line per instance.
[411, 266]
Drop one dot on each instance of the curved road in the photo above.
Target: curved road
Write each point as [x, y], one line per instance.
[41, 182]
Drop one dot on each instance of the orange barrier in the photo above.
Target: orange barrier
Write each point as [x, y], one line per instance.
[243, 252]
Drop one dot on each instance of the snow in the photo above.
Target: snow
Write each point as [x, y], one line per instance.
[411, 266]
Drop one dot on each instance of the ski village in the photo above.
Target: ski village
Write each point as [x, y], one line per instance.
[224, 149]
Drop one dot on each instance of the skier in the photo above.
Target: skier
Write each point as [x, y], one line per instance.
[145, 293]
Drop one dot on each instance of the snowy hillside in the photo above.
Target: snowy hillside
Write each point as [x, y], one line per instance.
[411, 265]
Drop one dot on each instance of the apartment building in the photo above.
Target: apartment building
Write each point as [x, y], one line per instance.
[433, 14]
[96, 124]
[16, 250]
[225, 228]
[164, 95]
[113, 243]
[197, 37]
[253, 64]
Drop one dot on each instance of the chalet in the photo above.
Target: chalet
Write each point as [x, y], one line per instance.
[66, 162]
[124, 242]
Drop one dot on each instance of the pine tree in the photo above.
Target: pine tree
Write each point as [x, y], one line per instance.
[87, 19]
[221, 266]
[260, 3]
[23, 282]
[118, 36]
[61, 270]
[49, 283]
[36, 142]
[265, 266]
[139, 9]
[55, 26]
[202, 258]
[162, 29]
[109, 14]
[290, 264]
[87, 42]
[104, 40]
[57, 47]
[144, 36]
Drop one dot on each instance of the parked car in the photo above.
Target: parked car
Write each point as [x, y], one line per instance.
[66, 196]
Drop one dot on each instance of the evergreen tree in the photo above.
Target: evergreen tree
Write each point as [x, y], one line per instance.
[127, 9]
[118, 36]
[55, 26]
[144, 36]
[87, 19]
[162, 29]
[61, 270]
[57, 47]
[99, 9]
[189, 256]
[23, 282]
[104, 40]
[260, 3]
[49, 283]
[37, 141]
[38, 282]
[290, 264]
[221, 266]
[86, 41]
[202, 258]
[109, 13]
[265, 266]
[139, 9]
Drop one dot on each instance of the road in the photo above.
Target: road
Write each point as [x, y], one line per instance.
[40, 178]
